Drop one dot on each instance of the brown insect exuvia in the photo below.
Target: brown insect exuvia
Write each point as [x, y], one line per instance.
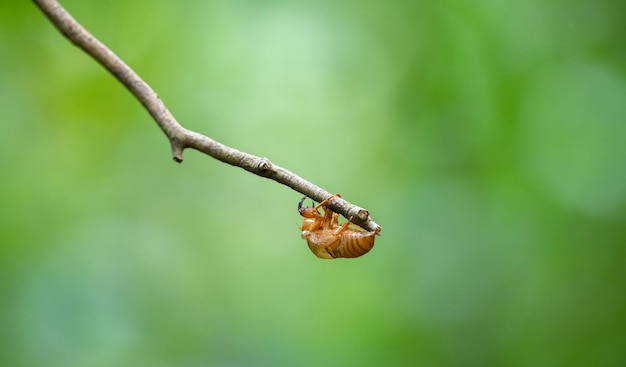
[329, 240]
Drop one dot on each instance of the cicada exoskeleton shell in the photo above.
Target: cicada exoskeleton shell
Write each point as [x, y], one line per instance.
[327, 239]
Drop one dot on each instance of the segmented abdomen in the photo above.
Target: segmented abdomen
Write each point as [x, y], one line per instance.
[354, 244]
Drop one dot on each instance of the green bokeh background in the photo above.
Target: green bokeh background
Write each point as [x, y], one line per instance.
[487, 138]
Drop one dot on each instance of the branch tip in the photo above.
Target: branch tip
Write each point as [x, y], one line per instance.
[377, 229]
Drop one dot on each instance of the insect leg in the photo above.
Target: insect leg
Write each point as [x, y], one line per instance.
[334, 223]
[323, 203]
[342, 228]
[300, 203]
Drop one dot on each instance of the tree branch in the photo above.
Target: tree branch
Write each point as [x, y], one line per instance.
[181, 138]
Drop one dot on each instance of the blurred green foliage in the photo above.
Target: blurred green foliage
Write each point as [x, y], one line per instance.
[488, 138]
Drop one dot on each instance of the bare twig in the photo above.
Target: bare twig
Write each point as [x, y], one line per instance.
[181, 138]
